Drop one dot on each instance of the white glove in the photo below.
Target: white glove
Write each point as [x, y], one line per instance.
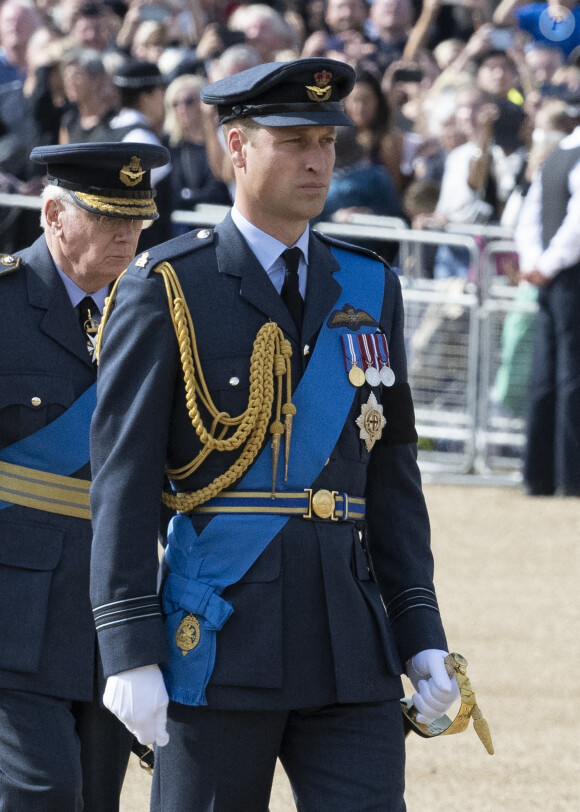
[138, 698]
[436, 690]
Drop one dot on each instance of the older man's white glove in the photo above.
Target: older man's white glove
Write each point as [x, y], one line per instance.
[436, 690]
[139, 699]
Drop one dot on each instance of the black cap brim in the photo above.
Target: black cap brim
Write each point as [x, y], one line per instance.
[334, 118]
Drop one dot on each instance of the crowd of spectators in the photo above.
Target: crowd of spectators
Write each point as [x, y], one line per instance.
[456, 104]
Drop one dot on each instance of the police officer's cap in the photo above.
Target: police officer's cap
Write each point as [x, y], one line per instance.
[112, 179]
[284, 94]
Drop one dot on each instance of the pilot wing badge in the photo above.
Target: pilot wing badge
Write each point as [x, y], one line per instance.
[351, 317]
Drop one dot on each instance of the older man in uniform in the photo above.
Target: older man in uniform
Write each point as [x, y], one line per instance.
[262, 367]
[59, 748]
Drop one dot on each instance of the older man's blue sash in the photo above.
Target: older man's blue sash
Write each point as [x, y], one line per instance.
[62, 447]
[202, 566]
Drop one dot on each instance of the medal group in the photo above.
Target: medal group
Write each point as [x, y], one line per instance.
[366, 360]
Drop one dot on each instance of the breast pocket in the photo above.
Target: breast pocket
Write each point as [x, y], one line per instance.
[30, 402]
[228, 380]
[29, 553]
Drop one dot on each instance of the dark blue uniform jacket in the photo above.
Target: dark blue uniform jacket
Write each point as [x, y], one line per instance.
[47, 637]
[309, 626]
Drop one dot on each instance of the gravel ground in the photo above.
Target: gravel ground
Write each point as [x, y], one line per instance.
[507, 579]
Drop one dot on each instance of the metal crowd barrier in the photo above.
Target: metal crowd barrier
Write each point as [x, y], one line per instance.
[468, 382]
[408, 246]
[442, 344]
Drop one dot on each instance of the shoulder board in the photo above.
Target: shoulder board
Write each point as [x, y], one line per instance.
[348, 246]
[176, 247]
[8, 263]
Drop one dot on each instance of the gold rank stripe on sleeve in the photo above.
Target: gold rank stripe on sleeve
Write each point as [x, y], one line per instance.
[53, 493]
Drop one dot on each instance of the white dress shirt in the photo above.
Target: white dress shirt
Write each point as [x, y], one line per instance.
[268, 250]
[564, 247]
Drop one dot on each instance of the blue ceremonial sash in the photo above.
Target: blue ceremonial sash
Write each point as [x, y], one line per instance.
[62, 447]
[202, 566]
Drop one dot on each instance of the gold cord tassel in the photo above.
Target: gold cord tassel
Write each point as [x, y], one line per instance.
[456, 664]
[288, 409]
[482, 729]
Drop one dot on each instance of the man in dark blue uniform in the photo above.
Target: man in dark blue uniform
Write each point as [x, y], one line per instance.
[59, 748]
[262, 368]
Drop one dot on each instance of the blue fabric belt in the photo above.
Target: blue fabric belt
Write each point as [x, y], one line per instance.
[308, 504]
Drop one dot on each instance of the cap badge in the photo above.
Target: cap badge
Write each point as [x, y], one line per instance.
[322, 90]
[132, 174]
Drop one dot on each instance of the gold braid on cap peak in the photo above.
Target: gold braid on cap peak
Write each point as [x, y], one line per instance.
[270, 359]
[119, 206]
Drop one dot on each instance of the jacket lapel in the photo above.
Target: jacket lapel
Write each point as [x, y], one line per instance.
[47, 292]
[235, 258]
[322, 290]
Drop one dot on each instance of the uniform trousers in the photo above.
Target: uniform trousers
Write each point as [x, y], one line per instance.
[338, 758]
[59, 756]
[552, 457]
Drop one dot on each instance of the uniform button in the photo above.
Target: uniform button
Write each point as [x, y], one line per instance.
[306, 349]
[35, 401]
[234, 381]
[203, 234]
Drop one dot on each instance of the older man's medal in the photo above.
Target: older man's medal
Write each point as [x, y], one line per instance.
[371, 421]
[90, 318]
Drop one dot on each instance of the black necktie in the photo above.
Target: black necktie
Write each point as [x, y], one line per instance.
[290, 289]
[89, 318]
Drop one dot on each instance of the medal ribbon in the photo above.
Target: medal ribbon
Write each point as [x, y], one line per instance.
[202, 566]
[382, 339]
[368, 354]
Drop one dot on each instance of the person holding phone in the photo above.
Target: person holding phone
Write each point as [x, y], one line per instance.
[556, 22]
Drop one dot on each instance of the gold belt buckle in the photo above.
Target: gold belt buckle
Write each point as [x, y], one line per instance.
[322, 504]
